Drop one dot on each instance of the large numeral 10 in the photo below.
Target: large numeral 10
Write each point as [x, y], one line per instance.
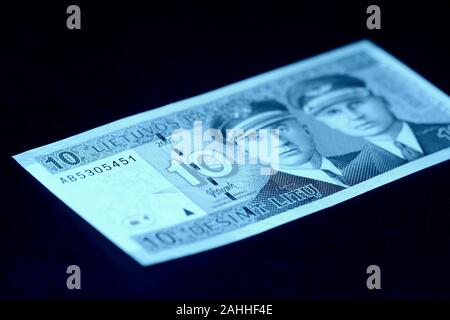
[66, 157]
[200, 167]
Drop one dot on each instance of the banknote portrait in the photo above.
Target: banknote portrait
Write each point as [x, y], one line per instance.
[345, 103]
[299, 167]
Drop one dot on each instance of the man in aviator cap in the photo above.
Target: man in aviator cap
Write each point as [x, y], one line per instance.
[345, 103]
[299, 163]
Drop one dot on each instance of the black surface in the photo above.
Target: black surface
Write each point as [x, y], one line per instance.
[129, 58]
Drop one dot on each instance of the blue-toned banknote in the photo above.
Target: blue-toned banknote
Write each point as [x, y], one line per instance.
[237, 161]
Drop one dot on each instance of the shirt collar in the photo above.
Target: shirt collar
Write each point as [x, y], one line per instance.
[328, 165]
[316, 174]
[405, 136]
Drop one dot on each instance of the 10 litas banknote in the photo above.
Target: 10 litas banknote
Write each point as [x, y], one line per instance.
[237, 161]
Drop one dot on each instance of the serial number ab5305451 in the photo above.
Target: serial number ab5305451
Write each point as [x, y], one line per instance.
[108, 166]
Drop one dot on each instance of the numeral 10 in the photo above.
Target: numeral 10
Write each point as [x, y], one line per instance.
[200, 167]
[66, 157]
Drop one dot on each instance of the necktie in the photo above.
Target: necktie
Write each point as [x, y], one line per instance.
[336, 176]
[408, 153]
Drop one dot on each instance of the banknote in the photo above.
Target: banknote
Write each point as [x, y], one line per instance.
[237, 161]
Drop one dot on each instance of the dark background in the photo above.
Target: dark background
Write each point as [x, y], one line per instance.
[130, 57]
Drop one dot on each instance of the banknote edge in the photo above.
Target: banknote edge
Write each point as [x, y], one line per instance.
[314, 207]
[28, 157]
